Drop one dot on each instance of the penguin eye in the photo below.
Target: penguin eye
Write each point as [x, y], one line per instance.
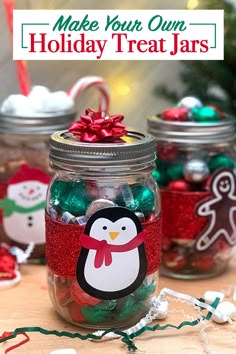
[123, 228]
[104, 227]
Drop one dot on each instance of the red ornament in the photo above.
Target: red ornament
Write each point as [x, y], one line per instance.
[179, 185]
[174, 260]
[167, 151]
[177, 114]
[81, 297]
[202, 262]
[75, 312]
[93, 127]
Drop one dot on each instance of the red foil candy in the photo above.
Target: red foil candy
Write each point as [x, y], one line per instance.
[63, 246]
[178, 114]
[178, 213]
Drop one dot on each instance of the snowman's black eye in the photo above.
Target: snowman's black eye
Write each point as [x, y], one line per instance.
[104, 227]
[123, 228]
[24, 187]
[38, 188]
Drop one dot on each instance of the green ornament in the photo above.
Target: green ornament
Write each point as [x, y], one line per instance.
[144, 291]
[205, 114]
[143, 198]
[129, 308]
[220, 161]
[77, 200]
[59, 190]
[98, 313]
[175, 171]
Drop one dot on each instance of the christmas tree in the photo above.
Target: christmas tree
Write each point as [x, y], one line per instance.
[213, 82]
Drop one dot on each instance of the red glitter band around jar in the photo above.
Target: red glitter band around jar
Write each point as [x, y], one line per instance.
[63, 246]
[179, 214]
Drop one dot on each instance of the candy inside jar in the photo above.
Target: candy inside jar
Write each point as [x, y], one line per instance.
[195, 170]
[103, 238]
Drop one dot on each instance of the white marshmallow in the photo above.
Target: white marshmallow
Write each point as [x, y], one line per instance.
[210, 296]
[36, 96]
[227, 310]
[57, 102]
[64, 351]
[15, 104]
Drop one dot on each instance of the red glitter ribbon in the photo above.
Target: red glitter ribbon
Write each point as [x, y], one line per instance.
[104, 249]
[63, 245]
[179, 214]
[92, 127]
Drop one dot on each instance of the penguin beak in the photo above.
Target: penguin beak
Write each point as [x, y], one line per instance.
[113, 235]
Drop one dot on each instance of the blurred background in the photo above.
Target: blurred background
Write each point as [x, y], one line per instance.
[138, 88]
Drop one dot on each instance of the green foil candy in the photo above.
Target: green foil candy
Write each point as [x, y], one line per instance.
[220, 161]
[59, 190]
[129, 308]
[98, 313]
[77, 200]
[141, 199]
[205, 114]
[144, 291]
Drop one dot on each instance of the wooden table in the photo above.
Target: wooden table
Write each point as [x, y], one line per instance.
[28, 304]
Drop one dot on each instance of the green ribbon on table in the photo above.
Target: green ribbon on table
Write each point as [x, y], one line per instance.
[127, 339]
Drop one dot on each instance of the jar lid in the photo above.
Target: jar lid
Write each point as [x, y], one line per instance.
[135, 149]
[189, 132]
[43, 124]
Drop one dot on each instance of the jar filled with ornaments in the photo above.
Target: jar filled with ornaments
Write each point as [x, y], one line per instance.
[103, 237]
[195, 170]
[26, 123]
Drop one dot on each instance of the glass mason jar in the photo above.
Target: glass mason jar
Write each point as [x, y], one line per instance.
[195, 170]
[102, 230]
[24, 177]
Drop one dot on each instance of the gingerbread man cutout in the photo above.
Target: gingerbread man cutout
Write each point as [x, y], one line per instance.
[220, 209]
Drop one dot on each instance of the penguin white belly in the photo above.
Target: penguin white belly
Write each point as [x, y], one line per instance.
[120, 274]
[25, 228]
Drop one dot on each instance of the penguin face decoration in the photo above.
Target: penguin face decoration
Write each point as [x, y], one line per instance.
[112, 261]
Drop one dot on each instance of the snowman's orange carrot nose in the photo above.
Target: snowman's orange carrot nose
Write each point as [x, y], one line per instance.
[31, 191]
[113, 234]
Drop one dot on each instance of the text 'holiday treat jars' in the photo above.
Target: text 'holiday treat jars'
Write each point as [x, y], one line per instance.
[195, 169]
[102, 223]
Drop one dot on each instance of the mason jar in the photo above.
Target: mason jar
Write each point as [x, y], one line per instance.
[195, 169]
[103, 237]
[24, 177]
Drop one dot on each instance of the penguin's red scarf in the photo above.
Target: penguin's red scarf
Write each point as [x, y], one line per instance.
[104, 249]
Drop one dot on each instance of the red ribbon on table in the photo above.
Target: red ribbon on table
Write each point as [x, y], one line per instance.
[7, 334]
[93, 127]
[105, 249]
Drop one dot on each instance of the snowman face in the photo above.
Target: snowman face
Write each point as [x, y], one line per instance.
[27, 194]
[116, 233]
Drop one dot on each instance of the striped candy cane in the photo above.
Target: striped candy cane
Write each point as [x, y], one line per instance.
[92, 81]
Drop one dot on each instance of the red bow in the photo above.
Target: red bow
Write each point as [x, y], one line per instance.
[92, 127]
[104, 249]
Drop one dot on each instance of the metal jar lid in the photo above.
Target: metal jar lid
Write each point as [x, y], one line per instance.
[42, 124]
[218, 133]
[136, 150]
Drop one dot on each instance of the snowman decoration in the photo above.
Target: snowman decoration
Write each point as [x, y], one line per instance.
[23, 207]
[112, 261]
